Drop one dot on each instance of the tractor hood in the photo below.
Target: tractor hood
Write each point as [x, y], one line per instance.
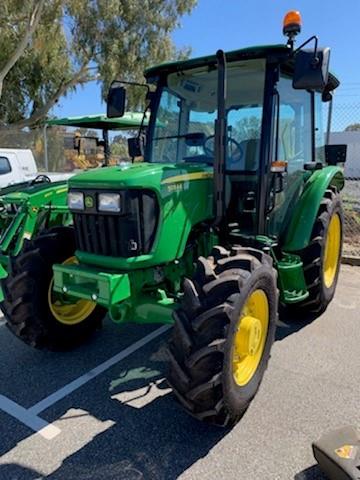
[184, 198]
[156, 176]
[43, 192]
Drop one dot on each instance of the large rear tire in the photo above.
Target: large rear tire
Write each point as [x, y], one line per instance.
[34, 313]
[223, 333]
[322, 258]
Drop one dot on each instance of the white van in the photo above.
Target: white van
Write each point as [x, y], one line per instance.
[18, 165]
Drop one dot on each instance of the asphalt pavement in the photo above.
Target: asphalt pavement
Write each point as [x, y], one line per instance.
[104, 411]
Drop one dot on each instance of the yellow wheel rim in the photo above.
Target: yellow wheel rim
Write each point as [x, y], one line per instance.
[68, 311]
[332, 250]
[250, 337]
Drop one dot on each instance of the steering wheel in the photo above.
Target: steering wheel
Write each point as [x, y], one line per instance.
[40, 179]
[235, 154]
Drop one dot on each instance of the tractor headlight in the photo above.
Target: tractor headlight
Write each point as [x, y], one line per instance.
[76, 200]
[109, 202]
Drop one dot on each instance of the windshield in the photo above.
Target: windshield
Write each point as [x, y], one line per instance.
[187, 105]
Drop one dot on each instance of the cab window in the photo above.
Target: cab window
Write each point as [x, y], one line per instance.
[294, 136]
[294, 146]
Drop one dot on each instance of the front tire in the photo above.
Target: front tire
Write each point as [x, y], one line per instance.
[223, 333]
[34, 313]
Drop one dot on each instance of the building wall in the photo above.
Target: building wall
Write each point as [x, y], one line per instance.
[352, 139]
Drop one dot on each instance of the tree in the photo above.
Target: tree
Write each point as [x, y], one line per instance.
[247, 128]
[119, 147]
[50, 47]
[354, 127]
[30, 24]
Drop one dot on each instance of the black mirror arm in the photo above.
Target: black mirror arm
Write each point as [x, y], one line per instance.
[107, 152]
[141, 128]
[145, 85]
[315, 38]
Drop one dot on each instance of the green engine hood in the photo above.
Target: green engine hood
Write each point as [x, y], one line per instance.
[185, 196]
[156, 176]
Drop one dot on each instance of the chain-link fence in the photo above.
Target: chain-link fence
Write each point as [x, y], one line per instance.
[55, 149]
[351, 204]
[346, 129]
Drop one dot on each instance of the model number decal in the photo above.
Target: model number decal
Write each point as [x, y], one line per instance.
[175, 187]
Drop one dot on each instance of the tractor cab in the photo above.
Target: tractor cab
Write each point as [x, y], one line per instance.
[187, 110]
[255, 117]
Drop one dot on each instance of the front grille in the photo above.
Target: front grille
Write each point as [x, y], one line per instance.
[126, 234]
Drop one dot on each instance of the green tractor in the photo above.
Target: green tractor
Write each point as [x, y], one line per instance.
[234, 211]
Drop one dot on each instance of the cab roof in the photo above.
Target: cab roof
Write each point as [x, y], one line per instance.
[260, 51]
[130, 120]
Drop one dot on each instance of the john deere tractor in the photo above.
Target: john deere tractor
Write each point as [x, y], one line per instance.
[235, 210]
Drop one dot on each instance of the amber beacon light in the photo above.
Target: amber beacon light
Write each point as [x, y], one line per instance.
[292, 24]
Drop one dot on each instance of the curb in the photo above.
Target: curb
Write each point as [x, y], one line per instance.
[350, 260]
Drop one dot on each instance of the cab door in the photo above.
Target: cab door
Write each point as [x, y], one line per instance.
[293, 145]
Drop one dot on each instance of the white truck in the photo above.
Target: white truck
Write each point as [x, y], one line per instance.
[18, 165]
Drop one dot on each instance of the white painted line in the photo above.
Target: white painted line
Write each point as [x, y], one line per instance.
[46, 430]
[79, 382]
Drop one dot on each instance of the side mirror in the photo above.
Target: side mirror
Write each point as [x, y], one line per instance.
[76, 143]
[311, 69]
[136, 147]
[116, 101]
[335, 154]
[85, 144]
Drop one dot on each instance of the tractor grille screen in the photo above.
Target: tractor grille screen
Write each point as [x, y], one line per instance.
[126, 234]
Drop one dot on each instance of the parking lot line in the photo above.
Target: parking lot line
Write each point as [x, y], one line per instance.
[45, 429]
[86, 377]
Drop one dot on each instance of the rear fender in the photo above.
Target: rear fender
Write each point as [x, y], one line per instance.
[298, 233]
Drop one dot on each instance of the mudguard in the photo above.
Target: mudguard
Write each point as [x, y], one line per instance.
[299, 230]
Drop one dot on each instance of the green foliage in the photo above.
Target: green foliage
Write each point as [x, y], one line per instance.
[81, 40]
[119, 147]
[36, 76]
[247, 128]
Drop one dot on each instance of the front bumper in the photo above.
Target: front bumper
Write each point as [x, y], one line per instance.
[106, 289]
[113, 291]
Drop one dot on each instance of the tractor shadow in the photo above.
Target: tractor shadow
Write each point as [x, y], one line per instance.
[149, 435]
[289, 323]
[156, 441]
[311, 473]
[14, 471]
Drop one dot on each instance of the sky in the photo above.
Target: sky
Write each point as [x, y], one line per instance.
[232, 24]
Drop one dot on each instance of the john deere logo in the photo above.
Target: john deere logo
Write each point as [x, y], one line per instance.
[89, 202]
